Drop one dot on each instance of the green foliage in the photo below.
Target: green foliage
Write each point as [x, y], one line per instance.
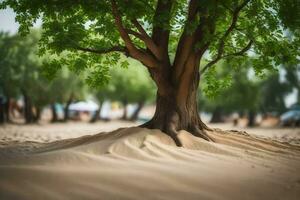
[273, 93]
[70, 24]
[293, 78]
[247, 93]
[21, 71]
[8, 74]
[289, 11]
[243, 94]
[19, 66]
[131, 85]
[215, 82]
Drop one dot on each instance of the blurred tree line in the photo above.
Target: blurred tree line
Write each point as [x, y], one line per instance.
[247, 95]
[23, 76]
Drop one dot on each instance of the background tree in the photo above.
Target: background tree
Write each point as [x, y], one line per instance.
[143, 29]
[131, 85]
[8, 77]
[293, 78]
[21, 73]
[239, 92]
[19, 69]
[273, 93]
[101, 94]
[64, 88]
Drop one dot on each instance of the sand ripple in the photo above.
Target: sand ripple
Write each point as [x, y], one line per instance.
[136, 163]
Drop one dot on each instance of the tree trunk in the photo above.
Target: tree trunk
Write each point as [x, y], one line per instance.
[135, 114]
[176, 107]
[6, 109]
[54, 113]
[251, 119]
[97, 115]
[37, 116]
[124, 117]
[217, 115]
[66, 110]
[2, 119]
[28, 109]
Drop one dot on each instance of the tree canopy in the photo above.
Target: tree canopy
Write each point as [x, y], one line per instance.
[145, 30]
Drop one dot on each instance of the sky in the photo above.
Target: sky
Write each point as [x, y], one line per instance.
[7, 21]
[8, 24]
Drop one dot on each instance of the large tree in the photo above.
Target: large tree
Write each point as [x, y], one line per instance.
[85, 31]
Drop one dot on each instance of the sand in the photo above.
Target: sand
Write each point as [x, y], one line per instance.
[136, 163]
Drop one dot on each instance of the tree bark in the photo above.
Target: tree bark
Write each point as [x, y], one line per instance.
[135, 114]
[97, 115]
[54, 113]
[176, 107]
[216, 115]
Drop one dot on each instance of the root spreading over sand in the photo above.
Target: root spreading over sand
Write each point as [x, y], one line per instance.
[137, 163]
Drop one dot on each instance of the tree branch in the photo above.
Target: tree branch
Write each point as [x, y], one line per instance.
[134, 52]
[242, 51]
[221, 45]
[146, 38]
[186, 41]
[160, 35]
[239, 53]
[102, 51]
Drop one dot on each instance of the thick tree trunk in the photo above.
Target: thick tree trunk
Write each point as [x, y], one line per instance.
[97, 115]
[176, 108]
[54, 113]
[217, 115]
[136, 113]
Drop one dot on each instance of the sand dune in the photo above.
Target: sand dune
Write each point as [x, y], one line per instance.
[136, 163]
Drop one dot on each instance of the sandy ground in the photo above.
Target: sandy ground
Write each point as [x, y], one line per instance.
[39, 162]
[46, 132]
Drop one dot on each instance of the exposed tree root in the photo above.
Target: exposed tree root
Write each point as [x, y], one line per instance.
[201, 133]
[170, 129]
[173, 134]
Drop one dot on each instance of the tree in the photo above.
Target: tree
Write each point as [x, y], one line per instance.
[21, 73]
[8, 77]
[240, 92]
[144, 30]
[244, 96]
[19, 69]
[101, 94]
[131, 85]
[273, 94]
[64, 88]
